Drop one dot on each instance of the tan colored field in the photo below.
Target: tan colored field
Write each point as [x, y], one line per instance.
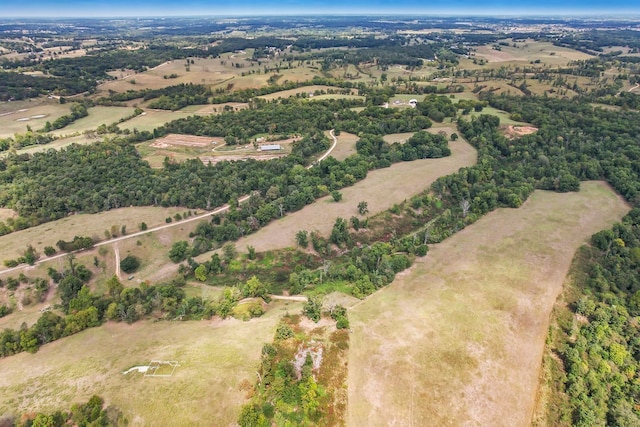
[529, 51]
[16, 116]
[214, 358]
[12, 245]
[309, 90]
[381, 190]
[345, 147]
[205, 71]
[458, 338]
[7, 213]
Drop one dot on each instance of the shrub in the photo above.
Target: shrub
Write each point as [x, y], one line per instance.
[130, 264]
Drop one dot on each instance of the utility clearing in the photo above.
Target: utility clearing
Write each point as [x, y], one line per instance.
[457, 340]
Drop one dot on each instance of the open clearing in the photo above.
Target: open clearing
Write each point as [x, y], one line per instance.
[529, 51]
[381, 189]
[346, 145]
[13, 245]
[16, 116]
[457, 339]
[97, 116]
[309, 91]
[214, 358]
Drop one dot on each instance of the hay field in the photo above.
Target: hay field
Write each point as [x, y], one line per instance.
[458, 338]
[381, 189]
[529, 51]
[12, 245]
[97, 116]
[16, 116]
[308, 90]
[215, 357]
[346, 145]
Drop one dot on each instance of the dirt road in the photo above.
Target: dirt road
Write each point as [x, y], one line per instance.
[222, 208]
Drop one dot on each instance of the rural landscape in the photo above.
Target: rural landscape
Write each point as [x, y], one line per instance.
[319, 221]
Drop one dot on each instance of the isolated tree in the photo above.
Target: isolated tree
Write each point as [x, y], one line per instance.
[179, 251]
[337, 196]
[302, 238]
[201, 273]
[363, 208]
[340, 232]
[130, 264]
[313, 308]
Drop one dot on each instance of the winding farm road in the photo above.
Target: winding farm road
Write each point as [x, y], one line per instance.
[222, 208]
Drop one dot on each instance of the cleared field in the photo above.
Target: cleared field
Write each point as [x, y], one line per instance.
[214, 358]
[458, 338]
[202, 71]
[345, 147]
[16, 116]
[381, 190]
[151, 119]
[97, 116]
[6, 213]
[529, 51]
[12, 245]
[308, 90]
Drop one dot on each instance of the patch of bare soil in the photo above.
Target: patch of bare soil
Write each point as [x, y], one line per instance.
[172, 140]
[514, 131]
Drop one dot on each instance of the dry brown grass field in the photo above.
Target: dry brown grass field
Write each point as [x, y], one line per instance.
[457, 339]
[529, 51]
[12, 245]
[309, 90]
[345, 147]
[381, 189]
[214, 357]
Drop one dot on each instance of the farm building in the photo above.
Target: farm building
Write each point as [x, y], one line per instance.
[270, 147]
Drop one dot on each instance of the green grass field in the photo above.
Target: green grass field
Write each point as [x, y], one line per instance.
[458, 338]
[215, 358]
[16, 116]
[97, 116]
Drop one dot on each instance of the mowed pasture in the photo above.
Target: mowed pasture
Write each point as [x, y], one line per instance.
[16, 116]
[97, 116]
[308, 91]
[216, 358]
[381, 189]
[458, 338]
[94, 225]
[529, 51]
[346, 145]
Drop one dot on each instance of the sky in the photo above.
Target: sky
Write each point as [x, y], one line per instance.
[116, 8]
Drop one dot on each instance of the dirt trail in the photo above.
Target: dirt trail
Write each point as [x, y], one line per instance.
[117, 251]
[159, 228]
